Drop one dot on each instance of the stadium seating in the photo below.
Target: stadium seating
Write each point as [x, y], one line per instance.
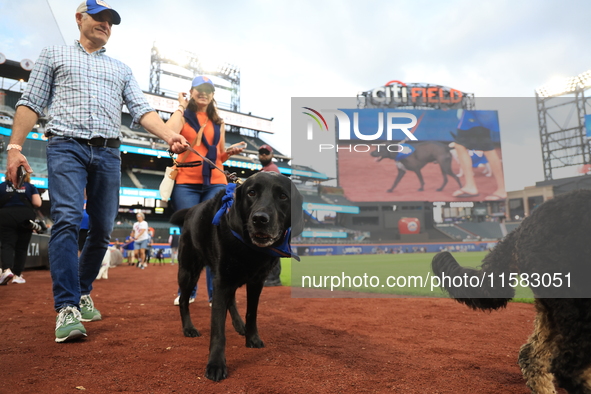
[39, 166]
[149, 181]
[253, 143]
[484, 230]
[511, 226]
[126, 180]
[454, 232]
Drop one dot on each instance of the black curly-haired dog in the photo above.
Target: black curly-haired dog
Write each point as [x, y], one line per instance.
[425, 153]
[241, 249]
[553, 247]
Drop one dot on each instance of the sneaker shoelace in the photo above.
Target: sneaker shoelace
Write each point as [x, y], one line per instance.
[86, 301]
[68, 315]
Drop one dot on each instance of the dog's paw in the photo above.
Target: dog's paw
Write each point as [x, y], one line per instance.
[255, 343]
[420, 190]
[191, 332]
[239, 327]
[389, 190]
[216, 372]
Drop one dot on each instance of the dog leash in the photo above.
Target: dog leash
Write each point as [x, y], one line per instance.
[231, 176]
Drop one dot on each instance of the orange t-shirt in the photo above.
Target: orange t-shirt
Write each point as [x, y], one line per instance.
[194, 175]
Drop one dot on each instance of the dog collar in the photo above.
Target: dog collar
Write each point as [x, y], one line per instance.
[283, 250]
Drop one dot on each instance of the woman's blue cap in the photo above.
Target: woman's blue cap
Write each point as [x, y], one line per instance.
[200, 80]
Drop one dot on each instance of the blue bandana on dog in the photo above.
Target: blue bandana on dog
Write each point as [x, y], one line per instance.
[406, 151]
[227, 202]
[283, 250]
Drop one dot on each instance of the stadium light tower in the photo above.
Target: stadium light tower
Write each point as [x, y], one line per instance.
[164, 54]
[562, 108]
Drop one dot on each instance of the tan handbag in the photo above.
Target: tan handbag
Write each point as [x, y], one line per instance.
[167, 183]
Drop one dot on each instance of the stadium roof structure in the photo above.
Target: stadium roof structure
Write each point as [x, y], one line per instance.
[337, 199]
[567, 184]
[7, 110]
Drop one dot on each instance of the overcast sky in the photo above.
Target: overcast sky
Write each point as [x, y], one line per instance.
[337, 48]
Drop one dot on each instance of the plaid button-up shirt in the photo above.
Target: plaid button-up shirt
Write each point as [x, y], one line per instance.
[83, 92]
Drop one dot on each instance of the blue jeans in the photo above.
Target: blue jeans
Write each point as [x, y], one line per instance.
[72, 167]
[185, 196]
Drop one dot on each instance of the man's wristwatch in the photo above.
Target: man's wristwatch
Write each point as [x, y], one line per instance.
[14, 146]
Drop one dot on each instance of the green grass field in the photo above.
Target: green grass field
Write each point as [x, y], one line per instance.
[377, 273]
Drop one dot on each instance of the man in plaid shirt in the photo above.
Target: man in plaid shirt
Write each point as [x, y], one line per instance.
[84, 91]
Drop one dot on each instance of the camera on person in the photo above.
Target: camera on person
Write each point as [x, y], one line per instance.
[38, 226]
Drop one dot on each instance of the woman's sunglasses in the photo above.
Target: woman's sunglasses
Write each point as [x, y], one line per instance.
[206, 90]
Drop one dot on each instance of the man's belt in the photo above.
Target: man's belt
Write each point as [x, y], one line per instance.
[100, 142]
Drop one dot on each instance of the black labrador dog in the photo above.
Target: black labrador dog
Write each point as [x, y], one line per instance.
[241, 249]
[424, 153]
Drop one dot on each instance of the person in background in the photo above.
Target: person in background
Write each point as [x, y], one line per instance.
[84, 92]
[140, 237]
[173, 240]
[266, 159]
[474, 133]
[197, 120]
[83, 233]
[17, 211]
[128, 246]
[149, 246]
[160, 255]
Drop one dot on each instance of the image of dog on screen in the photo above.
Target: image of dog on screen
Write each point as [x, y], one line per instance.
[415, 157]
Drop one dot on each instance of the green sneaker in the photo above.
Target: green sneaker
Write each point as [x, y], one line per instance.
[87, 309]
[68, 326]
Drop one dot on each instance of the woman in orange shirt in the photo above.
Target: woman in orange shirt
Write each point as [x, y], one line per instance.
[198, 121]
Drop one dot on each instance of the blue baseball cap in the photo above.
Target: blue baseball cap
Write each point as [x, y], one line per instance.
[95, 6]
[200, 80]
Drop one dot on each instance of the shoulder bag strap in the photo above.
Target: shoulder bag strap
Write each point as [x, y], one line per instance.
[183, 157]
